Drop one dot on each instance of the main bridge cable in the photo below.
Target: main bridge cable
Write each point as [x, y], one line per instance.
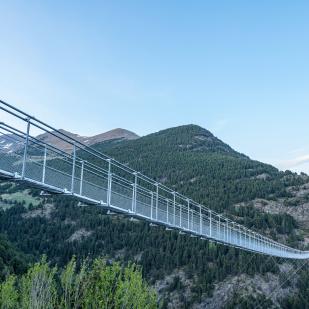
[98, 154]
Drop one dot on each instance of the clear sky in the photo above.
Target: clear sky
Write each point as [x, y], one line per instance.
[237, 68]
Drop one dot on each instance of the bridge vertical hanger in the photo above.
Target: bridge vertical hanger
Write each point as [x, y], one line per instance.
[44, 164]
[26, 149]
[81, 178]
[109, 182]
[73, 168]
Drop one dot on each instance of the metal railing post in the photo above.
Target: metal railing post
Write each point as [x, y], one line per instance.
[167, 211]
[109, 182]
[201, 220]
[229, 233]
[188, 201]
[233, 233]
[174, 205]
[134, 193]
[73, 168]
[151, 206]
[245, 238]
[44, 164]
[210, 224]
[81, 178]
[26, 149]
[239, 232]
[157, 200]
[180, 214]
[219, 228]
[252, 240]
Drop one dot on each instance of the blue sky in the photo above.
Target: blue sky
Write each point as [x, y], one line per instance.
[237, 68]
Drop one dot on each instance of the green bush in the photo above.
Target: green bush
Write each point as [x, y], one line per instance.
[93, 285]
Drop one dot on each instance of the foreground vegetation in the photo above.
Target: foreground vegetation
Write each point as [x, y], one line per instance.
[93, 285]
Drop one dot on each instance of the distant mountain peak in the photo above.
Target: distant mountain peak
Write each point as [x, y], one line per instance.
[9, 145]
[117, 133]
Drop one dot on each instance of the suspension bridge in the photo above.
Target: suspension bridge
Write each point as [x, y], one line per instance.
[90, 177]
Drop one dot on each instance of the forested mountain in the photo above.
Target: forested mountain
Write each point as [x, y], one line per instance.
[187, 272]
[12, 260]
